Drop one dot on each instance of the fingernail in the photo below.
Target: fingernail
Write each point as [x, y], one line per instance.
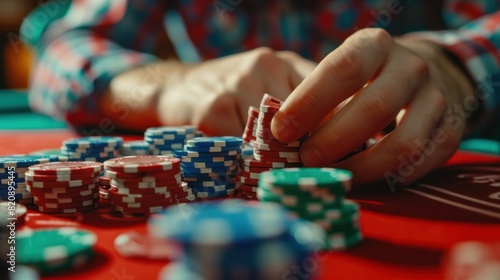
[283, 128]
[310, 156]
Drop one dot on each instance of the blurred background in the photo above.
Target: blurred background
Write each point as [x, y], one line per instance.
[14, 58]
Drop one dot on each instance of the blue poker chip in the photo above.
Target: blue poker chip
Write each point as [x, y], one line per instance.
[204, 184]
[159, 141]
[12, 175]
[219, 164]
[24, 160]
[219, 170]
[177, 146]
[215, 189]
[195, 154]
[247, 151]
[5, 181]
[212, 149]
[99, 155]
[207, 159]
[223, 193]
[220, 223]
[135, 145]
[93, 141]
[17, 196]
[178, 271]
[174, 130]
[225, 141]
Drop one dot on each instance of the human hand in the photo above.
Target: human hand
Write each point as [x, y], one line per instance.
[215, 95]
[387, 79]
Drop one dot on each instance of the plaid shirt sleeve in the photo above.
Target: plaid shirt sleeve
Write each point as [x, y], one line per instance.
[79, 53]
[476, 43]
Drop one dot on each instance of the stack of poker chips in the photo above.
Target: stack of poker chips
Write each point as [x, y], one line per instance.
[53, 250]
[12, 175]
[316, 195]
[229, 240]
[210, 165]
[268, 152]
[65, 187]
[165, 140]
[93, 148]
[146, 184]
[135, 148]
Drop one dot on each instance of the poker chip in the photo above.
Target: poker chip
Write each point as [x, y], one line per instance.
[66, 168]
[144, 184]
[212, 240]
[135, 148]
[11, 210]
[165, 140]
[210, 165]
[276, 159]
[316, 195]
[94, 148]
[134, 164]
[64, 187]
[52, 250]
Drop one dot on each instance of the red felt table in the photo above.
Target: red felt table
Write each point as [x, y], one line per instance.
[406, 232]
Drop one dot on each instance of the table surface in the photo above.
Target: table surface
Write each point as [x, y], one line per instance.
[406, 232]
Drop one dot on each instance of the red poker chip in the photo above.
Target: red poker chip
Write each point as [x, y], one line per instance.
[145, 203]
[287, 155]
[187, 199]
[51, 195]
[255, 169]
[104, 181]
[142, 176]
[143, 210]
[250, 175]
[61, 190]
[275, 148]
[265, 135]
[253, 111]
[103, 194]
[62, 184]
[59, 205]
[264, 121]
[183, 194]
[161, 190]
[41, 199]
[66, 168]
[68, 210]
[248, 181]
[59, 178]
[270, 104]
[275, 142]
[275, 159]
[248, 188]
[145, 185]
[123, 198]
[137, 164]
[170, 178]
[261, 164]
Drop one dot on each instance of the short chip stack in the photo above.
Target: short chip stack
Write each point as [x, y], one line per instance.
[268, 152]
[104, 186]
[146, 184]
[229, 240]
[317, 195]
[165, 140]
[92, 148]
[12, 175]
[210, 165]
[65, 187]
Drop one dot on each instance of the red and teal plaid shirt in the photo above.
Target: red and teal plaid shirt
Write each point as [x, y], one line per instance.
[82, 44]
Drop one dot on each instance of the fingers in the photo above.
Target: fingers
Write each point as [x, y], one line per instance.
[342, 73]
[299, 68]
[369, 112]
[404, 154]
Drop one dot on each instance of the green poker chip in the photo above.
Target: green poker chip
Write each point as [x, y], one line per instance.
[300, 180]
[294, 200]
[52, 250]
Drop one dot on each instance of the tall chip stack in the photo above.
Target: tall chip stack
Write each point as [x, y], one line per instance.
[65, 187]
[230, 240]
[12, 175]
[165, 140]
[316, 195]
[268, 152]
[92, 148]
[146, 184]
[210, 165]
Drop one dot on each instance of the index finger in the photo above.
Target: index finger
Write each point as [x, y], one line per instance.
[342, 73]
